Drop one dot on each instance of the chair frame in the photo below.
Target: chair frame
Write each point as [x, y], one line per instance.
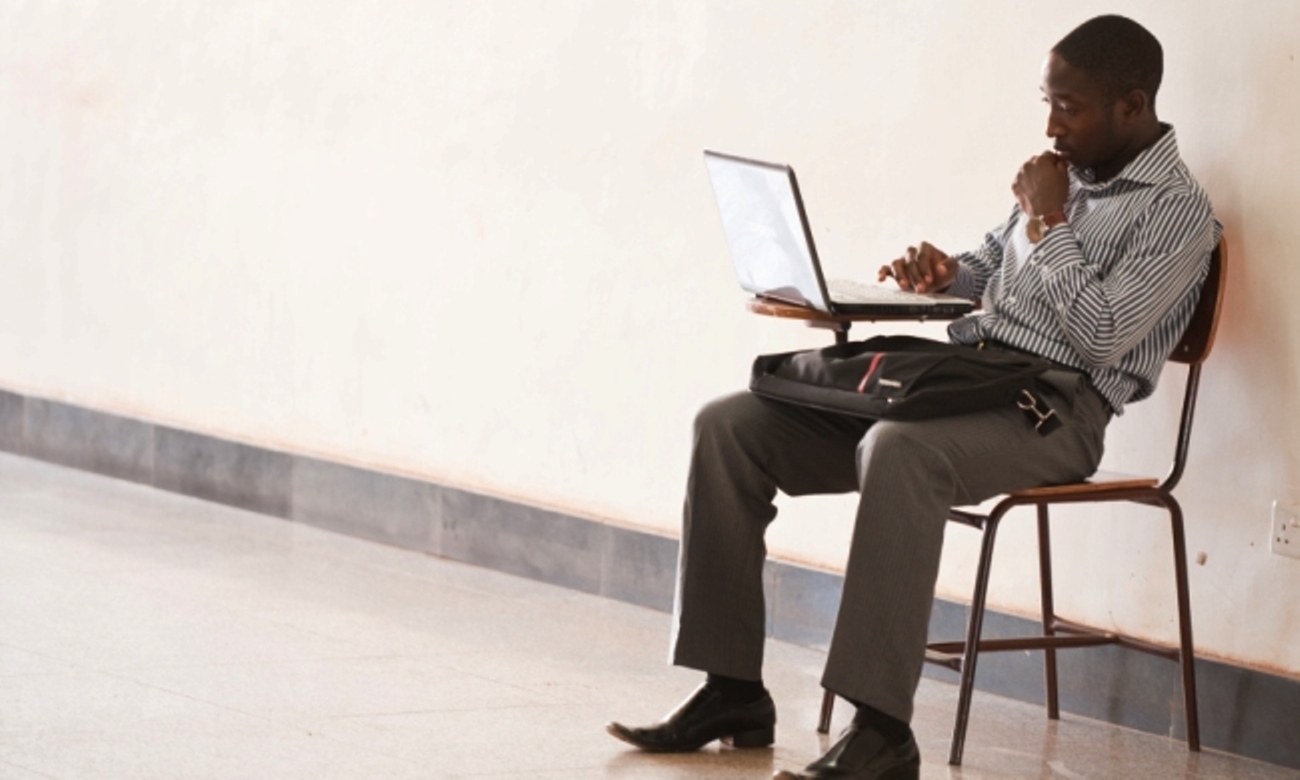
[1059, 633]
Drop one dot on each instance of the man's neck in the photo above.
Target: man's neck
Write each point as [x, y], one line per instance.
[1141, 141]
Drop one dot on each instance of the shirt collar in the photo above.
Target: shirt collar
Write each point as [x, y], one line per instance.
[1150, 166]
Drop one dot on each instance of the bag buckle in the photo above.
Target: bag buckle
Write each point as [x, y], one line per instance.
[1045, 421]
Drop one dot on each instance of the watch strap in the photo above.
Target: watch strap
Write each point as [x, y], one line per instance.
[1037, 227]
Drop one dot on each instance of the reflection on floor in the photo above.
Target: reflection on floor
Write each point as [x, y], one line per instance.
[145, 634]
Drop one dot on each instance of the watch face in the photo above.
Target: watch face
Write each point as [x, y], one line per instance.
[1034, 229]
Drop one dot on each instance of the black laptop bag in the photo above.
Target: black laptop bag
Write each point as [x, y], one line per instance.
[905, 378]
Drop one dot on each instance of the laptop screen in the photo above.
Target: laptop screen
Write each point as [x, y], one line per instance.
[761, 218]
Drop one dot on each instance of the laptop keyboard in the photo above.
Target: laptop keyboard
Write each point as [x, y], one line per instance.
[849, 291]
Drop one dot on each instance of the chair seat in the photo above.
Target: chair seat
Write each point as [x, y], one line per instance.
[1102, 481]
[1099, 483]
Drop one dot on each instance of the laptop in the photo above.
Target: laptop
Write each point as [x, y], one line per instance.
[772, 247]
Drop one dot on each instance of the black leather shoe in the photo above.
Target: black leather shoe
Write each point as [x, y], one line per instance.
[701, 719]
[863, 754]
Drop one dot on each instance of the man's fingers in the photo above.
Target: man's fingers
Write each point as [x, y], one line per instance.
[941, 267]
[928, 261]
[920, 268]
[916, 274]
[900, 273]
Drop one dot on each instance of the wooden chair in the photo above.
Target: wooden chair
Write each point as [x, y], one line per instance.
[1059, 633]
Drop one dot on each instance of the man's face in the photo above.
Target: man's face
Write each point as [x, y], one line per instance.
[1082, 121]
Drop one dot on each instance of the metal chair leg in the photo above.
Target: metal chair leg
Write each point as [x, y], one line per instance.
[1187, 651]
[1049, 612]
[974, 625]
[828, 706]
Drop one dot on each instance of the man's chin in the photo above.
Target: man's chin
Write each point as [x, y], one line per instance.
[1075, 161]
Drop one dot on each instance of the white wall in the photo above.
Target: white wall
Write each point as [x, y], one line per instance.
[475, 242]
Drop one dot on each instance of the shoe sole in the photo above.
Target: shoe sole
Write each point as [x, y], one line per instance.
[744, 740]
[758, 738]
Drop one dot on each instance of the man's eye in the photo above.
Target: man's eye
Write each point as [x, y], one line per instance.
[1063, 108]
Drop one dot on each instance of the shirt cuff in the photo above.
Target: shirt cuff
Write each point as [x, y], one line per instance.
[1059, 261]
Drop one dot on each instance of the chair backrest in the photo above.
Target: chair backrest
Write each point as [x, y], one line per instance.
[1193, 349]
[1199, 336]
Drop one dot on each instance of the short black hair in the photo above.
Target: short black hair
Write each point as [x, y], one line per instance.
[1118, 53]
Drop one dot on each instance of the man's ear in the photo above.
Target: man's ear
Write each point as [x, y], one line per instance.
[1132, 105]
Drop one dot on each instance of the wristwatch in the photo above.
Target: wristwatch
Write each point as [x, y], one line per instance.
[1037, 227]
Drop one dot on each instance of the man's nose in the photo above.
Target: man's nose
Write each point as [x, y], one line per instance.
[1054, 128]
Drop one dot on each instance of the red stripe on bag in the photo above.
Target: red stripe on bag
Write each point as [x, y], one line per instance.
[871, 369]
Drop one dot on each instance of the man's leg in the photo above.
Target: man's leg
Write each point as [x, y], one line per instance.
[911, 474]
[745, 449]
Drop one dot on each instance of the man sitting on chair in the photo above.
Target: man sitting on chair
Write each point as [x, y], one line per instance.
[1098, 269]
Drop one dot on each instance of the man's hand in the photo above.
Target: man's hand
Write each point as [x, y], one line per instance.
[1042, 185]
[923, 269]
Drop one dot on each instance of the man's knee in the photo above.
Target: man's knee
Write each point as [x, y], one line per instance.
[884, 439]
[892, 446]
[726, 414]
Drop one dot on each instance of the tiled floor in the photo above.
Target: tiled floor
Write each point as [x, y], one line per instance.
[144, 634]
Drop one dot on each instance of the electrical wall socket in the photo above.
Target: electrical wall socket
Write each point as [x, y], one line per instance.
[1285, 539]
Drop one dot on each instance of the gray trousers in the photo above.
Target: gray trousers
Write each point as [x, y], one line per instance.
[908, 475]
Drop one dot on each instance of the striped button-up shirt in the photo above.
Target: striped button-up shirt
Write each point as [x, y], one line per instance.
[1111, 291]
